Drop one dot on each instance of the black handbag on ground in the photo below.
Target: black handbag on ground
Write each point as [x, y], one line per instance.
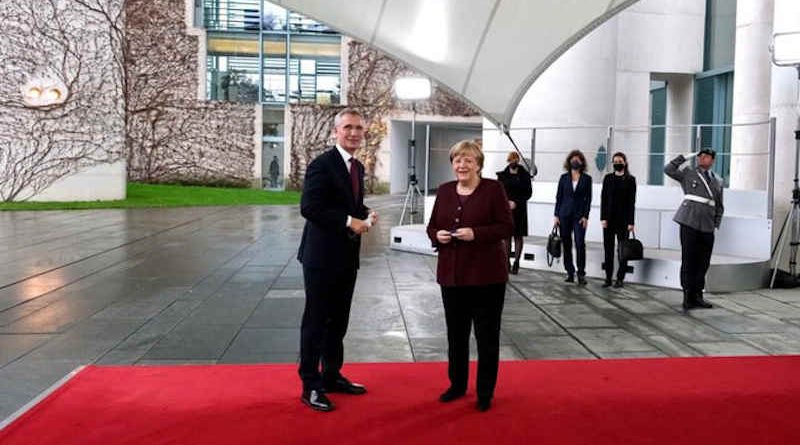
[553, 246]
[631, 249]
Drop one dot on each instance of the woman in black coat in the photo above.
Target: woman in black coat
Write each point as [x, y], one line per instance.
[517, 182]
[617, 209]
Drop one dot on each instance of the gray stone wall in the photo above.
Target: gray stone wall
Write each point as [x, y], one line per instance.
[132, 73]
[72, 43]
[172, 136]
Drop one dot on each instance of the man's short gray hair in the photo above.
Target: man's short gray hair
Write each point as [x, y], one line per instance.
[351, 111]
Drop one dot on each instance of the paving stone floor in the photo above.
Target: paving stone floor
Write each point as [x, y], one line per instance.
[221, 285]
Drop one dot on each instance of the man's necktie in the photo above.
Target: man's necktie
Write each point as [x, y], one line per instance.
[707, 176]
[354, 178]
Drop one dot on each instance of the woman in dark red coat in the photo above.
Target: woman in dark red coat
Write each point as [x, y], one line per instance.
[470, 220]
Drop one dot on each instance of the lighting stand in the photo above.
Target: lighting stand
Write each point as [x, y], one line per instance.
[413, 193]
[792, 220]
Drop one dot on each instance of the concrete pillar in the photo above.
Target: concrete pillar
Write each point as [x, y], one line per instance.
[680, 109]
[751, 94]
[258, 146]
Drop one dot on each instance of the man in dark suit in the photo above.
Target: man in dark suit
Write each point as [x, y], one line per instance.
[333, 205]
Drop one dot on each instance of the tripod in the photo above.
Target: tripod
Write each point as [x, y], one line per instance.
[792, 221]
[410, 202]
[412, 192]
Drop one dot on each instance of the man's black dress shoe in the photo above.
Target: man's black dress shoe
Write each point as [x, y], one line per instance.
[581, 280]
[607, 283]
[570, 279]
[484, 404]
[451, 394]
[317, 400]
[618, 284]
[342, 385]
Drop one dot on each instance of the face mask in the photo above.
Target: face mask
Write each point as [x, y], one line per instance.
[575, 165]
[619, 167]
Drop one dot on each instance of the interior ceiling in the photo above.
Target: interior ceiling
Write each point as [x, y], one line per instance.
[487, 51]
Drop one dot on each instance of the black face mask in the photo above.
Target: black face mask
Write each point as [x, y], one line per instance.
[576, 165]
[619, 167]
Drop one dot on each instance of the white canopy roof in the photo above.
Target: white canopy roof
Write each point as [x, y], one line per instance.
[487, 51]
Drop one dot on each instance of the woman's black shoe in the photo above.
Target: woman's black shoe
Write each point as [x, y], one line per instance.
[515, 268]
[484, 404]
[450, 395]
[700, 302]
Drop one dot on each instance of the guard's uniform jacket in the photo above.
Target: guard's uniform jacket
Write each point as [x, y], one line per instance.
[702, 207]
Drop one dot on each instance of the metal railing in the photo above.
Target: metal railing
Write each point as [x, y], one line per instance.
[748, 147]
[255, 16]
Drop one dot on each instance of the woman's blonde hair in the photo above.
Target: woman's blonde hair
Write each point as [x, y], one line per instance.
[470, 148]
[512, 156]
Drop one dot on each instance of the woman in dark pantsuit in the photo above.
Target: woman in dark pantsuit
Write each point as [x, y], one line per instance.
[470, 220]
[517, 182]
[617, 209]
[573, 202]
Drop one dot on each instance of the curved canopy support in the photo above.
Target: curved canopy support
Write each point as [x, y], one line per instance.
[489, 52]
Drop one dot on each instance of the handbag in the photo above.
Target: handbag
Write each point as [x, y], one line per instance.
[631, 249]
[553, 246]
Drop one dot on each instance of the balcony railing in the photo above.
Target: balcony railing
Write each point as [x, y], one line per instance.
[252, 16]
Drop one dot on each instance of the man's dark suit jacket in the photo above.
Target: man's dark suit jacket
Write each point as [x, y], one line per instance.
[326, 202]
[573, 203]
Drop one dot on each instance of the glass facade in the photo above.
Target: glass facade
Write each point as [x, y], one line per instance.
[720, 34]
[713, 111]
[272, 174]
[713, 89]
[259, 52]
[658, 118]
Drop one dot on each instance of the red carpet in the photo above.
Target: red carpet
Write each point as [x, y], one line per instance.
[645, 401]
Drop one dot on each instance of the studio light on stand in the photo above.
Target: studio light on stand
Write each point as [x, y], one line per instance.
[412, 89]
[785, 50]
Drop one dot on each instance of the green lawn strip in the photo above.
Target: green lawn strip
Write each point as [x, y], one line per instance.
[150, 195]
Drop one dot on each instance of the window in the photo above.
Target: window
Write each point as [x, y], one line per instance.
[658, 118]
[233, 78]
[240, 43]
[720, 34]
[713, 109]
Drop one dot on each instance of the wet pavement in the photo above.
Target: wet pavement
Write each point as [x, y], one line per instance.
[221, 285]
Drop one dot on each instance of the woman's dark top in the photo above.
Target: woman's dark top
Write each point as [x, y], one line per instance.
[483, 260]
[518, 189]
[618, 200]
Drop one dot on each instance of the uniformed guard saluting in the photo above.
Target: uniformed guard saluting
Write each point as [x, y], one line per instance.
[699, 215]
